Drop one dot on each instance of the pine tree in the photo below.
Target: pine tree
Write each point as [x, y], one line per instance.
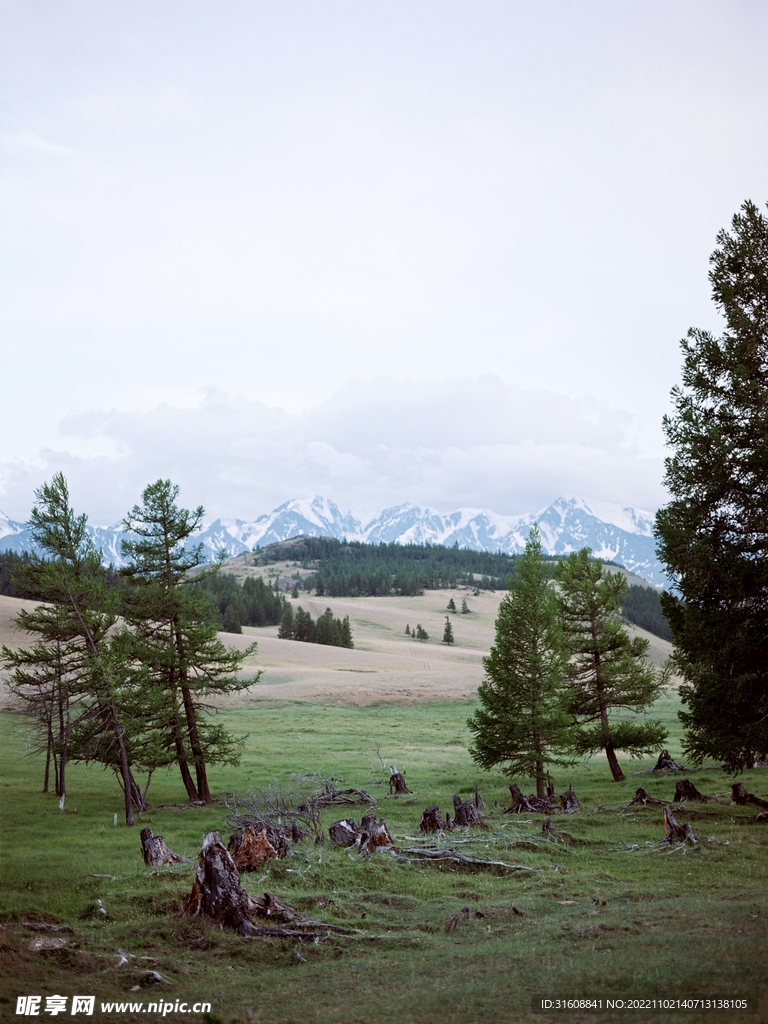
[713, 535]
[608, 668]
[448, 632]
[523, 723]
[451, 605]
[407, 629]
[285, 632]
[78, 635]
[174, 632]
[464, 606]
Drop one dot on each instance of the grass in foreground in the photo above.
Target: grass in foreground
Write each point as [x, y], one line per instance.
[590, 917]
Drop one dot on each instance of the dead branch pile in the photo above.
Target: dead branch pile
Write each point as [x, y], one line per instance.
[527, 804]
[685, 790]
[154, 851]
[676, 833]
[466, 813]
[328, 796]
[283, 817]
[740, 796]
[366, 837]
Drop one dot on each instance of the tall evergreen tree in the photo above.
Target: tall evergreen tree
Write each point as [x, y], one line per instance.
[608, 668]
[174, 632]
[523, 723]
[448, 632]
[78, 644]
[713, 535]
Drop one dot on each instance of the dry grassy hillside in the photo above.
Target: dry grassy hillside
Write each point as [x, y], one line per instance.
[385, 664]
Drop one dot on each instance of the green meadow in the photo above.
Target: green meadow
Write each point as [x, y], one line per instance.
[599, 913]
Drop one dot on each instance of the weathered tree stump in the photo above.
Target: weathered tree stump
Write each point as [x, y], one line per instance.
[433, 821]
[479, 802]
[740, 796]
[154, 851]
[373, 834]
[547, 827]
[685, 790]
[250, 848]
[522, 804]
[217, 892]
[550, 789]
[343, 833]
[465, 813]
[666, 763]
[397, 784]
[370, 834]
[569, 802]
[676, 833]
[641, 797]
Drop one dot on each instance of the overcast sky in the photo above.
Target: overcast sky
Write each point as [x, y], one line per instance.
[429, 251]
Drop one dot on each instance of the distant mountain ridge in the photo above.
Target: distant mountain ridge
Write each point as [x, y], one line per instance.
[614, 532]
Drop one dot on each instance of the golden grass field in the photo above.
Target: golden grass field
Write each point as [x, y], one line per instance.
[385, 665]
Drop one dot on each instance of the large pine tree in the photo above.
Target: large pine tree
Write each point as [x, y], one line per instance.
[523, 723]
[608, 669]
[713, 535]
[174, 632]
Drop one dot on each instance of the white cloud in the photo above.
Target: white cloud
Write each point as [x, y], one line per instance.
[35, 144]
[472, 441]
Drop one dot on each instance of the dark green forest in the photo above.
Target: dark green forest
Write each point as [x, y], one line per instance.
[338, 569]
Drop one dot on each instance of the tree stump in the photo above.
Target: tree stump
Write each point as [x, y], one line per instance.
[740, 796]
[433, 821]
[217, 892]
[343, 833]
[641, 797]
[373, 834]
[762, 817]
[479, 802]
[154, 851]
[271, 907]
[250, 848]
[465, 813]
[547, 827]
[666, 763]
[520, 803]
[397, 784]
[685, 790]
[551, 789]
[676, 833]
[569, 802]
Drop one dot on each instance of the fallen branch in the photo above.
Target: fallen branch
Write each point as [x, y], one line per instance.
[412, 854]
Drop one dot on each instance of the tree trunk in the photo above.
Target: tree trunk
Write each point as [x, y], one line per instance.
[613, 762]
[48, 753]
[541, 781]
[203, 789]
[181, 758]
[397, 784]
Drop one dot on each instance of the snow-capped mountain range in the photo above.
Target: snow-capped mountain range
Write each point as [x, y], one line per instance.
[614, 532]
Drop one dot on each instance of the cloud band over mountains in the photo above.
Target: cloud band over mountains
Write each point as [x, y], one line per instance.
[474, 441]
